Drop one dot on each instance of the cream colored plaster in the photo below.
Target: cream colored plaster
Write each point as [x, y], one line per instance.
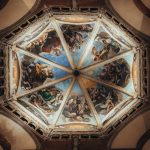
[130, 13]
[129, 136]
[13, 11]
[15, 134]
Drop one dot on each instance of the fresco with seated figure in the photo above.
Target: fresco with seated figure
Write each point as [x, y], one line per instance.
[76, 109]
[114, 32]
[106, 100]
[49, 46]
[36, 72]
[77, 36]
[47, 100]
[116, 73]
[103, 47]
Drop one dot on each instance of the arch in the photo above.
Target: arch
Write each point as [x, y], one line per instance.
[142, 7]
[5, 145]
[134, 124]
[142, 141]
[16, 16]
[3, 4]
[122, 8]
[20, 127]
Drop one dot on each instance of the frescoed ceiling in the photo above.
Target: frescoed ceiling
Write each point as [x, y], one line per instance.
[75, 73]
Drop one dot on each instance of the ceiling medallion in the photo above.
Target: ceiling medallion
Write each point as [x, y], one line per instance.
[73, 73]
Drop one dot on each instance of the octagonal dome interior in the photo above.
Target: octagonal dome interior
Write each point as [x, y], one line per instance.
[73, 73]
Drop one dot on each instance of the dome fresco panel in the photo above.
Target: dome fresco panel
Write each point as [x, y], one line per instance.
[47, 100]
[35, 72]
[117, 72]
[74, 73]
[105, 98]
[76, 108]
[103, 48]
[76, 36]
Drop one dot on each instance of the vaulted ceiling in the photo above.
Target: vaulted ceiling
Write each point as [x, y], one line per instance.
[73, 70]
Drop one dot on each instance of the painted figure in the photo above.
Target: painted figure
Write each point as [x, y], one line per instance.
[103, 98]
[33, 110]
[47, 100]
[75, 35]
[116, 72]
[52, 44]
[109, 46]
[49, 43]
[34, 74]
[76, 109]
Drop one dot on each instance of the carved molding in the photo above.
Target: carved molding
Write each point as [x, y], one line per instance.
[27, 16]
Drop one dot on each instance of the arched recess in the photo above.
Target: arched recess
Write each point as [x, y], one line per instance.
[128, 11]
[16, 135]
[15, 10]
[129, 136]
[144, 141]
[146, 3]
[4, 144]
[146, 145]
[3, 4]
[143, 5]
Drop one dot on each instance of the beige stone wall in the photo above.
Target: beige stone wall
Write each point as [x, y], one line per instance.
[13, 11]
[129, 12]
[130, 135]
[15, 134]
